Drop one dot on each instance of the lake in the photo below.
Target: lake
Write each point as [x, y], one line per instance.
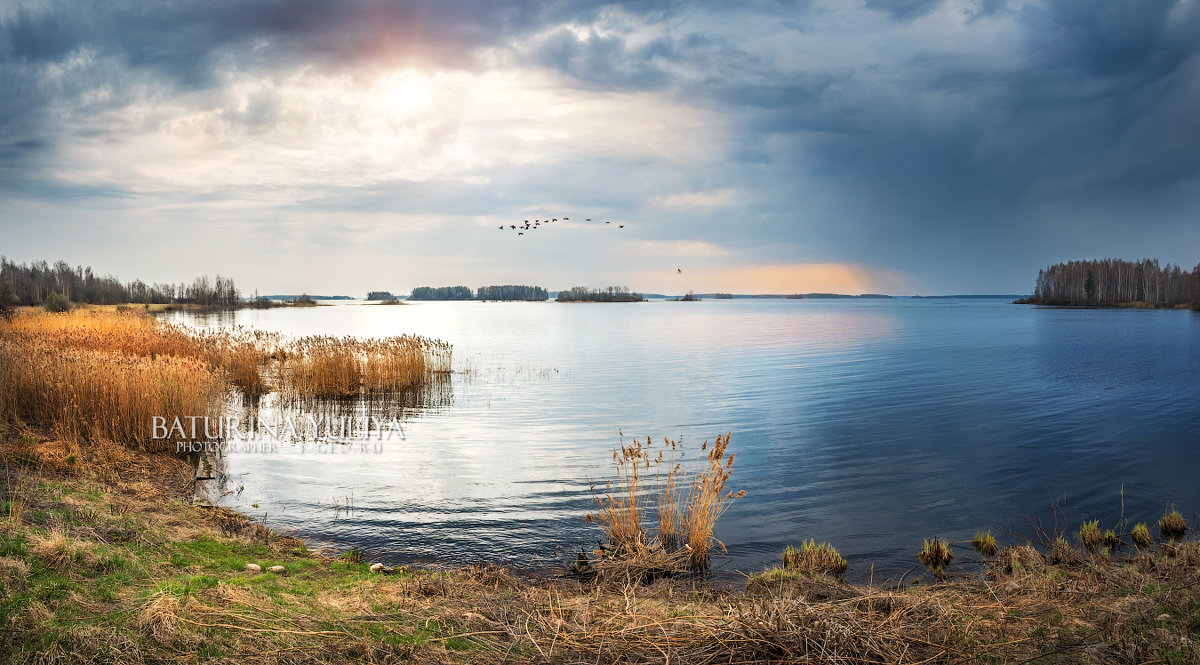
[870, 424]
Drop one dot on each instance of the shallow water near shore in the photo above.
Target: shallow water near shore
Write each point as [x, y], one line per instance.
[866, 423]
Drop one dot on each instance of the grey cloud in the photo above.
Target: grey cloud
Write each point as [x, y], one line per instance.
[904, 9]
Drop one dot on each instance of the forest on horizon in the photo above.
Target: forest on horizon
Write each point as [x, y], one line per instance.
[1116, 282]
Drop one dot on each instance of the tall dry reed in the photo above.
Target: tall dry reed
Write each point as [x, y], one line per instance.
[339, 367]
[687, 501]
[103, 396]
[92, 374]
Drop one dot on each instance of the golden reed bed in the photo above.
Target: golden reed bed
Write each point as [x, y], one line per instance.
[101, 375]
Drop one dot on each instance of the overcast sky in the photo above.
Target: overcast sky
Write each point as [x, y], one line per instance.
[902, 146]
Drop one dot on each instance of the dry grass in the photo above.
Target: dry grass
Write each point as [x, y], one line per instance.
[58, 550]
[159, 617]
[687, 502]
[815, 559]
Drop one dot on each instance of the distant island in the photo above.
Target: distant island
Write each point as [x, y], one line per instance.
[511, 292]
[610, 294]
[507, 292]
[380, 295]
[1116, 283]
[441, 293]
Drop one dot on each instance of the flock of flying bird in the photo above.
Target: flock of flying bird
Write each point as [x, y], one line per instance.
[537, 223]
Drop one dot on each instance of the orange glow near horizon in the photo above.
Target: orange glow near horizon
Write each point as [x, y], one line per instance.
[845, 278]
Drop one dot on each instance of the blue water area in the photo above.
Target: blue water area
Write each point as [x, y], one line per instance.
[870, 424]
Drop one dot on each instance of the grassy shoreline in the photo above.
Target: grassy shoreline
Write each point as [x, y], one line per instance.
[98, 565]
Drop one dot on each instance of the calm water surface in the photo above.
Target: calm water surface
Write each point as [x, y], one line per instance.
[867, 423]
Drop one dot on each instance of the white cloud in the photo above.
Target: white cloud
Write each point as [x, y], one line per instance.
[718, 198]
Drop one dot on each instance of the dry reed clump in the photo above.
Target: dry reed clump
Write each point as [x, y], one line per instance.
[935, 555]
[985, 543]
[243, 355]
[333, 367]
[1090, 537]
[687, 502]
[101, 395]
[1172, 525]
[1141, 535]
[103, 376]
[814, 559]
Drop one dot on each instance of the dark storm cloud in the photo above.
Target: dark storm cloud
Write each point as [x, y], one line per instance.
[904, 9]
[909, 130]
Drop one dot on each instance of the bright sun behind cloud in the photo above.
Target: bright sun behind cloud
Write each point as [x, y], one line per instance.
[406, 92]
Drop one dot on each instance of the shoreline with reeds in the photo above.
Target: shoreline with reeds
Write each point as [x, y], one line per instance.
[96, 561]
[103, 555]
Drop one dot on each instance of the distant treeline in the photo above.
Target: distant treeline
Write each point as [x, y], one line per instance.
[610, 294]
[1116, 282]
[441, 293]
[505, 292]
[39, 282]
[511, 292]
[380, 295]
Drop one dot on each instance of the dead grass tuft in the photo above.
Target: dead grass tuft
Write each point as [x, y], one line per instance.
[159, 617]
[60, 551]
[14, 575]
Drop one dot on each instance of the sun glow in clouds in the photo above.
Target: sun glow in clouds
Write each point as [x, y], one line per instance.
[269, 140]
[406, 92]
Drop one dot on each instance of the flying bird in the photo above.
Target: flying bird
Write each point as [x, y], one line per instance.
[620, 226]
[514, 226]
[679, 270]
[520, 233]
